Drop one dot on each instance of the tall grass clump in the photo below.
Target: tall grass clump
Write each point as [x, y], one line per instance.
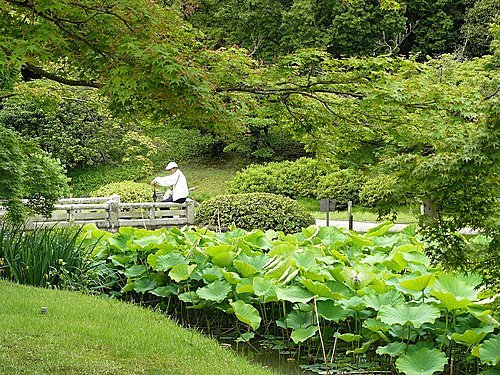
[50, 257]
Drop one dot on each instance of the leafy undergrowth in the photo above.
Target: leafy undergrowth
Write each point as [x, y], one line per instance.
[81, 334]
[374, 298]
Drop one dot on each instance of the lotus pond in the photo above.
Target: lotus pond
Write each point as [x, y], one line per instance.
[333, 299]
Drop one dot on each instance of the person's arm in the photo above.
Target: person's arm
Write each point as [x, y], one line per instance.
[166, 180]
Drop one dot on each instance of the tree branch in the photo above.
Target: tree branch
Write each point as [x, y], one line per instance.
[56, 78]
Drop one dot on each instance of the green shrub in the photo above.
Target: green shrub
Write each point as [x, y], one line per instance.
[85, 181]
[129, 191]
[77, 132]
[293, 179]
[342, 186]
[254, 210]
[28, 172]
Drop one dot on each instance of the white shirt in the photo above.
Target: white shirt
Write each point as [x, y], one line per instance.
[178, 183]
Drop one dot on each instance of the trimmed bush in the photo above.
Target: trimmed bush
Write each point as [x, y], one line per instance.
[293, 179]
[129, 191]
[254, 211]
[343, 186]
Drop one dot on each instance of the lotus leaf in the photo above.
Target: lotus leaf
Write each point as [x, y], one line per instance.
[245, 286]
[489, 351]
[298, 319]
[231, 277]
[135, 271]
[166, 261]
[379, 230]
[409, 315]
[302, 334]
[318, 289]
[262, 286]
[330, 311]
[390, 298]
[216, 291]
[218, 249]
[165, 291]
[472, 336]
[224, 259]
[419, 283]
[144, 284]
[181, 272]
[211, 274]
[146, 243]
[189, 297]
[245, 337]
[393, 349]
[347, 337]
[246, 313]
[294, 293]
[244, 268]
[423, 361]
[304, 259]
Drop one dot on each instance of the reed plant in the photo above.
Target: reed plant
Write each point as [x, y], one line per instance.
[43, 257]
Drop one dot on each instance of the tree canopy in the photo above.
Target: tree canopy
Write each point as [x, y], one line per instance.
[427, 128]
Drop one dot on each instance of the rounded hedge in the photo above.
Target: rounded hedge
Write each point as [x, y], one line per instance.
[254, 211]
[129, 191]
[289, 178]
[342, 186]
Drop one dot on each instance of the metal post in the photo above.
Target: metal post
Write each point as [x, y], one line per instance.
[349, 212]
[327, 212]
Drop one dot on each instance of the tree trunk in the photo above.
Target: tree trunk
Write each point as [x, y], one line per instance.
[430, 208]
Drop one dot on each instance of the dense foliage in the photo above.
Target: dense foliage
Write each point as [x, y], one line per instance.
[28, 172]
[373, 297]
[355, 28]
[293, 179]
[129, 191]
[254, 211]
[72, 125]
[342, 186]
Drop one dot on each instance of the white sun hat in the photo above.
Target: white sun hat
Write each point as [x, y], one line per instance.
[171, 165]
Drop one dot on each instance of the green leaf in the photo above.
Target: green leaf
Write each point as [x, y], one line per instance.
[165, 291]
[390, 298]
[379, 230]
[294, 294]
[393, 349]
[245, 337]
[246, 313]
[166, 261]
[423, 361]
[181, 272]
[455, 291]
[302, 334]
[224, 259]
[298, 319]
[135, 271]
[347, 337]
[216, 291]
[318, 289]
[419, 283]
[489, 351]
[262, 286]
[244, 268]
[330, 311]
[144, 284]
[409, 315]
[472, 336]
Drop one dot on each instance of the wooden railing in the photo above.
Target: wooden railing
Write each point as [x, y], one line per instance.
[109, 213]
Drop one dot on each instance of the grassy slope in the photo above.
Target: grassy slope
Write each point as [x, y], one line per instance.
[86, 335]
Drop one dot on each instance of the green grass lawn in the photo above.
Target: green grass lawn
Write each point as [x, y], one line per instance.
[82, 334]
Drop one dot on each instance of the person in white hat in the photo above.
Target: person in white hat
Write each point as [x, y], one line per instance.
[178, 182]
